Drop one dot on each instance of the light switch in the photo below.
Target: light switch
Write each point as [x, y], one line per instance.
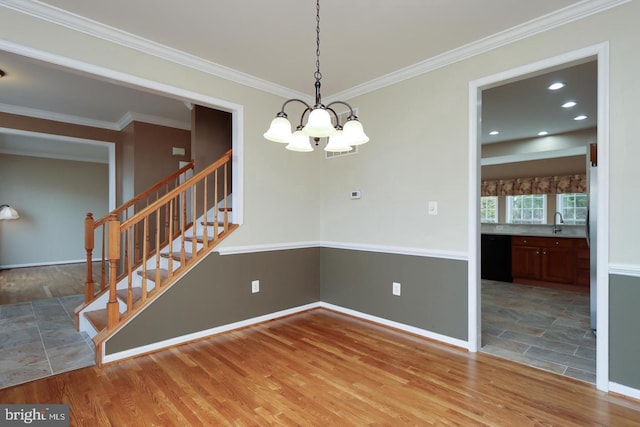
[433, 208]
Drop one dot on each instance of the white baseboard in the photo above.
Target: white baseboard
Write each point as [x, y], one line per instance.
[137, 351]
[396, 325]
[624, 390]
[44, 263]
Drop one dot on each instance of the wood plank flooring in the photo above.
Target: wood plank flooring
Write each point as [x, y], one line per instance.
[328, 369]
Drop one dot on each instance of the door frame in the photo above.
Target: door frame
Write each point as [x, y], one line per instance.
[139, 83]
[600, 52]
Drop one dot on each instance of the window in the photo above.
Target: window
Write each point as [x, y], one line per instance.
[489, 209]
[573, 207]
[527, 209]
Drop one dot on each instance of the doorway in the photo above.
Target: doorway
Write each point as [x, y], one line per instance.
[600, 54]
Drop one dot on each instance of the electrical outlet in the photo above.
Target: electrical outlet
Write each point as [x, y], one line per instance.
[396, 288]
[255, 286]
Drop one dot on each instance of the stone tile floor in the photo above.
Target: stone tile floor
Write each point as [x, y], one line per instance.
[38, 339]
[541, 327]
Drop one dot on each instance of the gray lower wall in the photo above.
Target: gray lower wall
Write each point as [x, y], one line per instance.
[217, 292]
[434, 291]
[624, 338]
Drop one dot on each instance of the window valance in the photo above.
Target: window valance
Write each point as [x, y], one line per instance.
[535, 185]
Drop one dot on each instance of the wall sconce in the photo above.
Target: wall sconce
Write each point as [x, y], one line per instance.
[7, 212]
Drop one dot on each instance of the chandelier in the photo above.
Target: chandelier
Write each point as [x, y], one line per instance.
[320, 119]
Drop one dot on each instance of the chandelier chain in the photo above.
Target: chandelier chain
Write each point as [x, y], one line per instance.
[317, 74]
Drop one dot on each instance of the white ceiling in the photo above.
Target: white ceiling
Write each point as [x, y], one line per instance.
[273, 43]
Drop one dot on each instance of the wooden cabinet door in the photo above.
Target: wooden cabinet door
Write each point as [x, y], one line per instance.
[525, 262]
[557, 265]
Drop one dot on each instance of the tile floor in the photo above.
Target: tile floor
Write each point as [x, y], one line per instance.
[38, 339]
[541, 327]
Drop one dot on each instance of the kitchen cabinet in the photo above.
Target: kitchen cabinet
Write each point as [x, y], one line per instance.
[544, 260]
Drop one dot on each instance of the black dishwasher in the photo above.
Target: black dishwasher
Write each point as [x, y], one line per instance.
[495, 257]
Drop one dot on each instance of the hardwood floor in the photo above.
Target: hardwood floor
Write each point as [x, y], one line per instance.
[37, 283]
[323, 368]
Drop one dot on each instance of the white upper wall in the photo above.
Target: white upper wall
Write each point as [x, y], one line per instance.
[280, 188]
[419, 145]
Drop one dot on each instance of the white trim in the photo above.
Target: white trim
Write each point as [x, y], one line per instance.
[237, 110]
[552, 20]
[541, 155]
[129, 117]
[137, 351]
[110, 146]
[101, 124]
[96, 29]
[455, 255]
[396, 325]
[624, 390]
[107, 145]
[233, 250]
[56, 117]
[44, 263]
[602, 263]
[199, 335]
[555, 19]
[601, 52]
[632, 270]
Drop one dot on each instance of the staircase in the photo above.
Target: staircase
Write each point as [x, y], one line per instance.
[149, 243]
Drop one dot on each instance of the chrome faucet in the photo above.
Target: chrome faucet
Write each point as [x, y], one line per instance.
[556, 225]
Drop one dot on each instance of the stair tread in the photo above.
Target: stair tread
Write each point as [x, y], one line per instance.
[177, 255]
[97, 318]
[199, 238]
[212, 223]
[123, 293]
[151, 274]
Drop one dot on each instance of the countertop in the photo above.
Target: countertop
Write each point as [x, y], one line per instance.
[566, 231]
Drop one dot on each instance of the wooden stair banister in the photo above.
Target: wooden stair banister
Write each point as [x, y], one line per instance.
[122, 212]
[165, 228]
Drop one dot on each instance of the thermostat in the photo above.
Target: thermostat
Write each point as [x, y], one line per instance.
[356, 194]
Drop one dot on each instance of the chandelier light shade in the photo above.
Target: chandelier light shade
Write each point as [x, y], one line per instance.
[7, 212]
[322, 121]
[299, 142]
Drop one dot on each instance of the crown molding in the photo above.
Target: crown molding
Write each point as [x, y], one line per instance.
[544, 23]
[101, 124]
[552, 20]
[96, 29]
[154, 120]
[57, 117]
[56, 156]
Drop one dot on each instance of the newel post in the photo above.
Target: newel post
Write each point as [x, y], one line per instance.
[113, 312]
[89, 225]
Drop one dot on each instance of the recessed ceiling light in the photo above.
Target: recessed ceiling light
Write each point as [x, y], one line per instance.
[494, 132]
[556, 86]
[569, 104]
[543, 133]
[581, 117]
